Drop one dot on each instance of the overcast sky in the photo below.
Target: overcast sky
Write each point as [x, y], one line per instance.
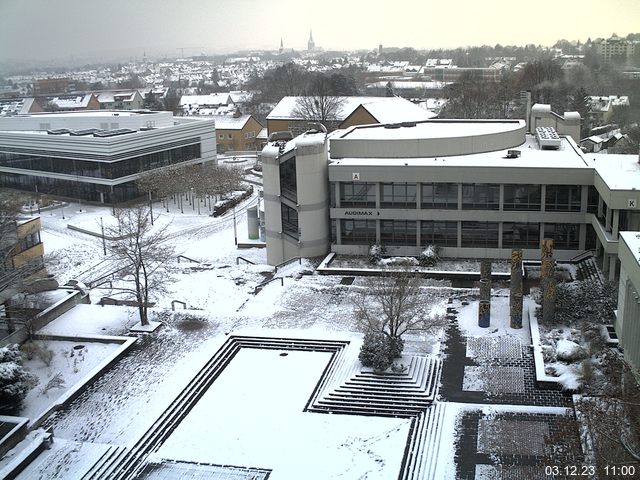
[52, 29]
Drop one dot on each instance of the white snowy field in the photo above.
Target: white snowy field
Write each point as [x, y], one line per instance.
[253, 415]
[70, 361]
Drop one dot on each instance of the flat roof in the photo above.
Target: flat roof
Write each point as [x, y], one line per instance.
[431, 129]
[90, 113]
[619, 172]
[531, 156]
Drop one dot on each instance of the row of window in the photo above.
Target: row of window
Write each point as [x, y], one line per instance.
[247, 135]
[70, 188]
[111, 170]
[475, 196]
[445, 233]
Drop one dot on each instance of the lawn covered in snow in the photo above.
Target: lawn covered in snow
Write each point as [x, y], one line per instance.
[253, 416]
[71, 360]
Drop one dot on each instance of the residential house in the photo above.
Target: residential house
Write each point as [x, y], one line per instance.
[350, 111]
[237, 132]
[120, 100]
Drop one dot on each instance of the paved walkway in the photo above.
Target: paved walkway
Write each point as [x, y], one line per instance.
[499, 371]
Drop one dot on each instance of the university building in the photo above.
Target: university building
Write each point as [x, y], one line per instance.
[477, 189]
[98, 155]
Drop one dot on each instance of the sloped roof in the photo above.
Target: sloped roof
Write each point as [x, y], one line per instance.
[213, 99]
[383, 109]
[229, 122]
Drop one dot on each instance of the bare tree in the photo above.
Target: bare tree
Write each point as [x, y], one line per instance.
[203, 181]
[319, 103]
[144, 251]
[392, 305]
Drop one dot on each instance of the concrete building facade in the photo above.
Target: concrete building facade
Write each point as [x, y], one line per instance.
[477, 189]
[98, 156]
[628, 314]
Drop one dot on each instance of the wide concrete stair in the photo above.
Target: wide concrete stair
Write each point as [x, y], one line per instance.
[587, 270]
[423, 446]
[403, 394]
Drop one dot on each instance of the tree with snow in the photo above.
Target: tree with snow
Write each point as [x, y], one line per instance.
[15, 381]
[319, 103]
[143, 251]
[388, 307]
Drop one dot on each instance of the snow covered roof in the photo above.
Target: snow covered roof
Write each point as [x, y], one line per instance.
[384, 109]
[18, 106]
[112, 96]
[390, 110]
[75, 101]
[229, 122]
[531, 157]
[211, 100]
[617, 171]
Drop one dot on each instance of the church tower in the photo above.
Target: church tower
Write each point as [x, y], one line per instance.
[311, 45]
[281, 46]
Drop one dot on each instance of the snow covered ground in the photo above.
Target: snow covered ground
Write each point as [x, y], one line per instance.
[253, 414]
[71, 360]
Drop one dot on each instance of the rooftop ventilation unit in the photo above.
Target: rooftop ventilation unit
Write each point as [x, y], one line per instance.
[547, 138]
[113, 133]
[58, 131]
[81, 133]
[513, 153]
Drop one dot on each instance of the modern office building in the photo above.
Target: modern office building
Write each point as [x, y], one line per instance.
[628, 314]
[477, 189]
[98, 155]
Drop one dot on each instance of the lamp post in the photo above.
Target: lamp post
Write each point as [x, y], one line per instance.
[150, 207]
[104, 244]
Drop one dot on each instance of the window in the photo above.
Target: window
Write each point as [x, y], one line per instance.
[522, 197]
[229, 136]
[520, 235]
[440, 195]
[443, 234]
[221, 136]
[332, 194]
[592, 199]
[565, 235]
[398, 232]
[480, 196]
[563, 198]
[358, 232]
[289, 221]
[288, 180]
[358, 194]
[398, 195]
[480, 234]
[29, 241]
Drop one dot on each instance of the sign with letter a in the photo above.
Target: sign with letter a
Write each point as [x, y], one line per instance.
[355, 176]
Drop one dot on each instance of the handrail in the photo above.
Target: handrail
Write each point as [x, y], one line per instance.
[286, 262]
[258, 287]
[187, 258]
[242, 258]
[173, 304]
[582, 256]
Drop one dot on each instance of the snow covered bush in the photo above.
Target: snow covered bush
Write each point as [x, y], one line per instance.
[15, 381]
[429, 256]
[376, 351]
[376, 252]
